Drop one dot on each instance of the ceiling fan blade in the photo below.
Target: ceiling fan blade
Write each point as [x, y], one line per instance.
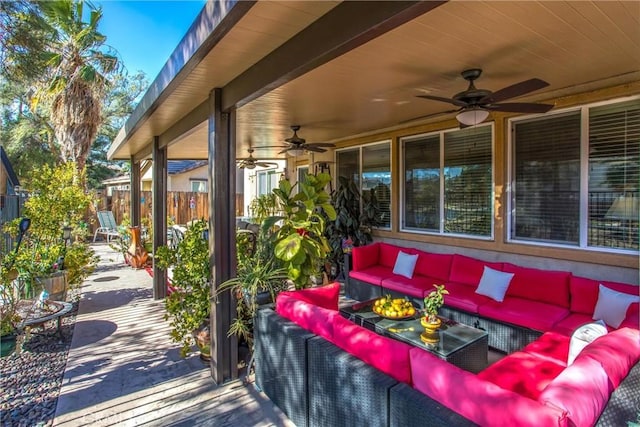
[519, 107]
[441, 99]
[266, 164]
[285, 150]
[514, 91]
[313, 148]
[320, 144]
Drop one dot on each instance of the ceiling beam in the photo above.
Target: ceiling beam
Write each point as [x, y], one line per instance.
[185, 125]
[345, 27]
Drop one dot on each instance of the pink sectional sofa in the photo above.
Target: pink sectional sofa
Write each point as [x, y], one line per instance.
[536, 300]
[531, 387]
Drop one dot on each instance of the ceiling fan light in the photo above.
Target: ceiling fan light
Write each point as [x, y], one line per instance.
[294, 152]
[472, 116]
[250, 166]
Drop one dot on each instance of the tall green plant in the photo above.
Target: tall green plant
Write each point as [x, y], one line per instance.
[258, 271]
[190, 304]
[57, 199]
[300, 242]
[262, 207]
[347, 225]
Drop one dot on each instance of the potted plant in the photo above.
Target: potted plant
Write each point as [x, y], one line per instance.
[188, 307]
[259, 278]
[352, 225]
[431, 322]
[300, 242]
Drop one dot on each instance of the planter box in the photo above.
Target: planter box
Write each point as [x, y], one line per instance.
[56, 285]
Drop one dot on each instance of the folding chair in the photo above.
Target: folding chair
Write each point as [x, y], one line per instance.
[107, 227]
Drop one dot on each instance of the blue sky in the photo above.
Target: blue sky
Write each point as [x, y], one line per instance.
[145, 33]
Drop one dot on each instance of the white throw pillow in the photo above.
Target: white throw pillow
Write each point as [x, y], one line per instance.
[405, 264]
[583, 336]
[612, 306]
[494, 283]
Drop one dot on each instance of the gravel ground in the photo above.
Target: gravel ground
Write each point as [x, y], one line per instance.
[30, 379]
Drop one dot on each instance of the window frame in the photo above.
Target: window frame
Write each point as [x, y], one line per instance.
[199, 181]
[441, 226]
[583, 213]
[359, 149]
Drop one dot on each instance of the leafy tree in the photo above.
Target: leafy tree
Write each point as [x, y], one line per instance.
[49, 42]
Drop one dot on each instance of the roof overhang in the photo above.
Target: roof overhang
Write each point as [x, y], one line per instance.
[342, 69]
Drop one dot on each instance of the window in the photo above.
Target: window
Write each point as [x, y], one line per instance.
[369, 167]
[547, 179]
[267, 181]
[303, 171]
[198, 186]
[449, 182]
[575, 177]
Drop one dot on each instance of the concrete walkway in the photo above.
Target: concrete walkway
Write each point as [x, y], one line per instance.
[123, 369]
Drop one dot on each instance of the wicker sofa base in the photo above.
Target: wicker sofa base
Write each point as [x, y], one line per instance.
[504, 337]
[281, 364]
[361, 291]
[318, 384]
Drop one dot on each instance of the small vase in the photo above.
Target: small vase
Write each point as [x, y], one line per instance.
[430, 334]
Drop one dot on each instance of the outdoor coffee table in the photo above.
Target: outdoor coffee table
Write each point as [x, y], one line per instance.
[461, 345]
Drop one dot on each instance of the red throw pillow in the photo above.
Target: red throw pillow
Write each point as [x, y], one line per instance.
[323, 296]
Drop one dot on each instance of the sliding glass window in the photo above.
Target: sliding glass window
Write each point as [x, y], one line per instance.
[576, 177]
[369, 167]
[449, 182]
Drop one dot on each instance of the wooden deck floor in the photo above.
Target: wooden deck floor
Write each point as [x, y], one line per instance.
[124, 370]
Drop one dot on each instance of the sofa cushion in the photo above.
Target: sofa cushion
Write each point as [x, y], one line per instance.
[547, 286]
[570, 323]
[389, 253]
[386, 354]
[530, 314]
[405, 264]
[324, 296]
[551, 346]
[414, 287]
[373, 275]
[617, 352]
[584, 293]
[468, 271]
[476, 399]
[494, 283]
[582, 390]
[364, 256]
[463, 297]
[523, 373]
[434, 265]
[612, 306]
[309, 316]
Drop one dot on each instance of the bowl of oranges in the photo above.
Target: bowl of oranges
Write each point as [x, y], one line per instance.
[394, 308]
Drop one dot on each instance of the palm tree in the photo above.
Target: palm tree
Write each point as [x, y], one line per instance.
[77, 75]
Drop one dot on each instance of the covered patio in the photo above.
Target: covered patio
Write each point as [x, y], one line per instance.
[349, 74]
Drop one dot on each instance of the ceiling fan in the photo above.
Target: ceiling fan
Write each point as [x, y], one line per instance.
[251, 162]
[475, 104]
[296, 146]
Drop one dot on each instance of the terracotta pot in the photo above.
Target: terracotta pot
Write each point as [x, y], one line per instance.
[136, 254]
[203, 340]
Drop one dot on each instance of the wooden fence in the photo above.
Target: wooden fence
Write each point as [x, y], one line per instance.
[182, 207]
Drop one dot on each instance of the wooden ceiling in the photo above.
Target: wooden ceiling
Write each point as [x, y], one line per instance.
[575, 46]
